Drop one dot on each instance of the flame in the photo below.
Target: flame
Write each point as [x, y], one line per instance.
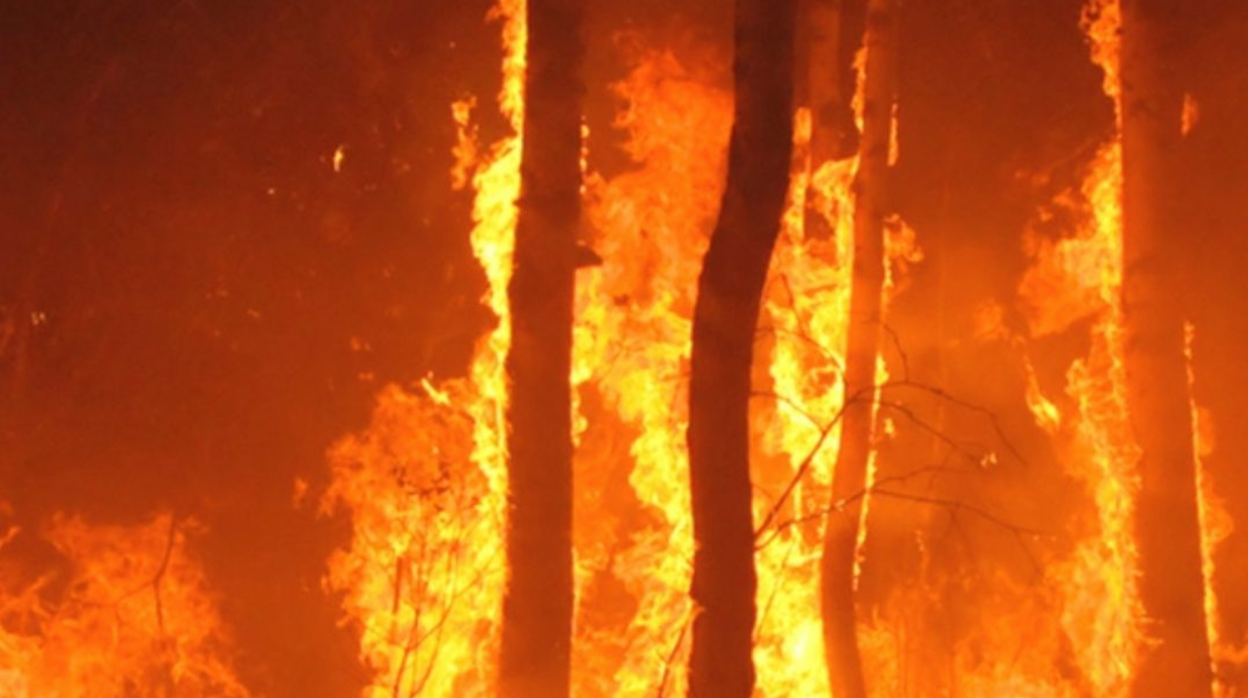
[426, 482]
[129, 614]
[806, 311]
[652, 227]
[465, 150]
[632, 344]
[1075, 277]
[1191, 114]
[1216, 525]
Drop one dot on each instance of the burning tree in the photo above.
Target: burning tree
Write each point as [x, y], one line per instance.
[758, 509]
[537, 608]
[842, 535]
[1177, 659]
[830, 85]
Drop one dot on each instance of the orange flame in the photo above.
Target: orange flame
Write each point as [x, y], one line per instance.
[632, 344]
[426, 483]
[129, 615]
[806, 310]
[1216, 525]
[1073, 278]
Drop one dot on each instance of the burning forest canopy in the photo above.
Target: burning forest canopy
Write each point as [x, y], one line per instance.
[268, 305]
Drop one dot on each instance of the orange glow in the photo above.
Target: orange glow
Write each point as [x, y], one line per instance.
[1074, 278]
[255, 331]
[632, 346]
[806, 311]
[129, 615]
[426, 483]
[1216, 526]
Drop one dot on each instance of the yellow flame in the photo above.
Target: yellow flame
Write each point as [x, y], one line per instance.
[465, 149]
[806, 309]
[1072, 278]
[134, 618]
[426, 483]
[1216, 525]
[632, 343]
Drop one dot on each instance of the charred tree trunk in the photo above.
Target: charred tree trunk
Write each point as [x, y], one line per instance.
[729, 296]
[830, 44]
[829, 88]
[1168, 529]
[537, 609]
[857, 425]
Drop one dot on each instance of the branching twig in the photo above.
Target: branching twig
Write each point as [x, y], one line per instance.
[800, 473]
[868, 393]
[671, 657]
[790, 403]
[815, 516]
[901, 352]
[160, 573]
[979, 409]
[932, 431]
[952, 505]
[957, 505]
[800, 335]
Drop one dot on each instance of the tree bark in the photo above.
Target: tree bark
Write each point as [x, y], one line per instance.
[857, 426]
[1176, 661]
[829, 78]
[535, 653]
[729, 296]
[829, 93]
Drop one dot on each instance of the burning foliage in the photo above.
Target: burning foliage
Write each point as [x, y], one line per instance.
[121, 611]
[960, 587]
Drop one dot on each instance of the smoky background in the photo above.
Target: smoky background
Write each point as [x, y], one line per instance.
[195, 302]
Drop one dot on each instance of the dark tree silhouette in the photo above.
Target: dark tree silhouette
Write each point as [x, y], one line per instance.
[828, 47]
[857, 429]
[729, 294]
[1158, 400]
[537, 607]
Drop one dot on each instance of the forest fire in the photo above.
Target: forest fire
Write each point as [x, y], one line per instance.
[131, 614]
[742, 369]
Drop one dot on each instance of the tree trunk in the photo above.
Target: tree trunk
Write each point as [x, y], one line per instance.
[725, 318]
[841, 539]
[537, 608]
[1167, 523]
[830, 89]
[829, 95]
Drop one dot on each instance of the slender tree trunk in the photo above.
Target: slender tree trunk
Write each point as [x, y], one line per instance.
[1168, 529]
[725, 318]
[830, 89]
[537, 608]
[828, 94]
[829, 79]
[841, 539]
